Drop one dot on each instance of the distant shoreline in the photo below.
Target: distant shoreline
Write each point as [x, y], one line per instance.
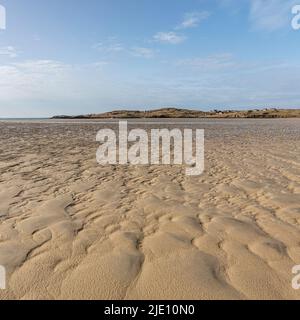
[168, 113]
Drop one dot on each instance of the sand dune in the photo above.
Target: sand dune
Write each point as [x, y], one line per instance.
[71, 229]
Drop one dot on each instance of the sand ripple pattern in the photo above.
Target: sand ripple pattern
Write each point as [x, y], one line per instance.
[71, 229]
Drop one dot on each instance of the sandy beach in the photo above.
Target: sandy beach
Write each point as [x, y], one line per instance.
[72, 229]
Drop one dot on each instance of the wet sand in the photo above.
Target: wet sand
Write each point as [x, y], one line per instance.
[72, 229]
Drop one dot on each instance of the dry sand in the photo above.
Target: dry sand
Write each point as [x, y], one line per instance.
[72, 229]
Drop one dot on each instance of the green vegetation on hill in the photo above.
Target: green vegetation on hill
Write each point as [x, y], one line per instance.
[185, 113]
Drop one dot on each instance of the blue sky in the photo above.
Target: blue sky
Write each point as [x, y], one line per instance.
[74, 57]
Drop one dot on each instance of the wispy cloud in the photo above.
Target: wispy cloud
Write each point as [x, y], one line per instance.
[215, 62]
[47, 87]
[190, 20]
[142, 52]
[36, 37]
[270, 15]
[110, 45]
[41, 66]
[8, 51]
[193, 19]
[169, 37]
[99, 64]
[34, 79]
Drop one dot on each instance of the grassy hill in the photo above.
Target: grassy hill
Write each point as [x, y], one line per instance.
[185, 113]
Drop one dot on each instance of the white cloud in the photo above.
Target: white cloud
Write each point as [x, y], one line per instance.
[213, 62]
[143, 52]
[111, 45]
[270, 15]
[41, 66]
[99, 64]
[47, 87]
[244, 86]
[8, 51]
[36, 37]
[193, 19]
[169, 37]
[33, 80]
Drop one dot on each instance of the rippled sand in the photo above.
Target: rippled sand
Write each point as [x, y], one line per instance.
[72, 229]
